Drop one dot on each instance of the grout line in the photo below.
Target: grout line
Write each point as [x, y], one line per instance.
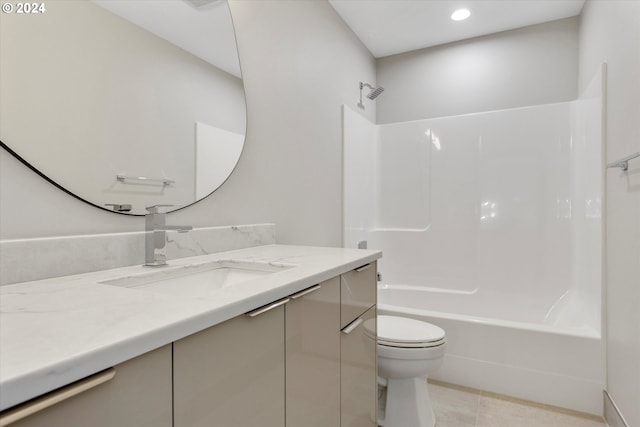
[478, 409]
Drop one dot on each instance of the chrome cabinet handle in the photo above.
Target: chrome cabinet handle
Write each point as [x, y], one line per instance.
[268, 307]
[50, 399]
[260, 310]
[352, 326]
[363, 268]
[305, 292]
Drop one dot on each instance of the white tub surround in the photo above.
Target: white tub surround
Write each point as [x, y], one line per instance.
[24, 260]
[56, 331]
[491, 227]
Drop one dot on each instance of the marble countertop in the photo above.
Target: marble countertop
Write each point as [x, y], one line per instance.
[59, 330]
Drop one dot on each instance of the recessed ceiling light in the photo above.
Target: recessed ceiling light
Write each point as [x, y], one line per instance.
[460, 14]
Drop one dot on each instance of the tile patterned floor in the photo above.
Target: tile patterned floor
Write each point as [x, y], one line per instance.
[461, 407]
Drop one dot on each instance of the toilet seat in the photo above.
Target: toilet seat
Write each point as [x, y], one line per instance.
[402, 332]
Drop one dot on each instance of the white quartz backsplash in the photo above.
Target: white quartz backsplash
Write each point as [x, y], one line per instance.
[35, 259]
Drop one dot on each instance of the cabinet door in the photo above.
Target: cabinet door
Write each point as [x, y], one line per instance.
[313, 356]
[232, 374]
[139, 395]
[359, 381]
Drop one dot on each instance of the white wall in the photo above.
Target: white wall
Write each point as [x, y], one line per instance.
[300, 63]
[527, 66]
[610, 31]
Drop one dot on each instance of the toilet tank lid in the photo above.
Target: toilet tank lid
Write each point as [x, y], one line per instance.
[404, 330]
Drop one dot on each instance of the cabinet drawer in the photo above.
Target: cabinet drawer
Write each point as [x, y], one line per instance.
[358, 290]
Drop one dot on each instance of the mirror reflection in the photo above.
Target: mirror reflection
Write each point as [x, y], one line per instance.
[136, 102]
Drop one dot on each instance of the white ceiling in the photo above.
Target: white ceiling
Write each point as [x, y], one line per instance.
[388, 27]
[203, 28]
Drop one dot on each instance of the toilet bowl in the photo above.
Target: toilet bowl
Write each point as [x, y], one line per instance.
[409, 351]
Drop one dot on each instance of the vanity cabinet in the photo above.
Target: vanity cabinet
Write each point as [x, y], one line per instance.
[136, 393]
[302, 361]
[358, 381]
[232, 374]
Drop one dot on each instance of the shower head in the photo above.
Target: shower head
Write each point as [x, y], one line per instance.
[373, 94]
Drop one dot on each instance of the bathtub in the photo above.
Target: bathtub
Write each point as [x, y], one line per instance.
[533, 350]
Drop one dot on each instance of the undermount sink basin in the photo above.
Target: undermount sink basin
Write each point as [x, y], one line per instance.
[197, 280]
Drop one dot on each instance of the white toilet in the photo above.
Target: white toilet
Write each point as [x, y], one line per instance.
[409, 351]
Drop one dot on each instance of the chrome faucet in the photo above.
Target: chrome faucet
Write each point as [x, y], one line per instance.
[156, 236]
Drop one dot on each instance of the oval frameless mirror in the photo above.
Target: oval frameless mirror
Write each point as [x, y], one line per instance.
[124, 103]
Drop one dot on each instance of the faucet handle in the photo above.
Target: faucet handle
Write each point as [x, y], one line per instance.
[155, 208]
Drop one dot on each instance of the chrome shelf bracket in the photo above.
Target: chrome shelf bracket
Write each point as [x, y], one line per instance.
[624, 162]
